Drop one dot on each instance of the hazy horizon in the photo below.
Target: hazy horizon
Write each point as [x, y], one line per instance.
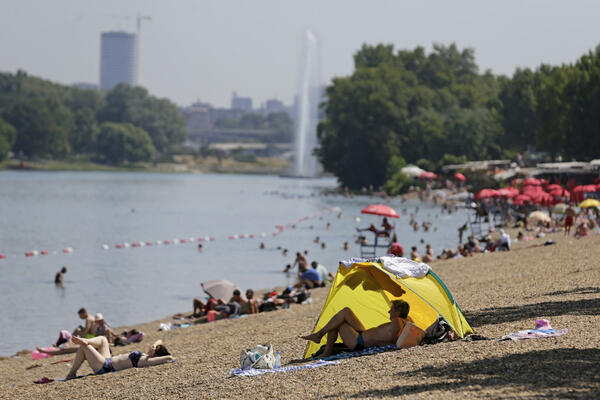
[192, 50]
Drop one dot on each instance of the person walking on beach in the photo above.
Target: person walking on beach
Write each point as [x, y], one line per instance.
[569, 219]
[58, 278]
[354, 334]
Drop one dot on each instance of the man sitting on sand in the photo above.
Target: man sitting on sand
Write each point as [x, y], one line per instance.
[309, 278]
[353, 333]
[88, 329]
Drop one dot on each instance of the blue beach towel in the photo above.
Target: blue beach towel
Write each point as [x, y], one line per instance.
[366, 352]
[254, 371]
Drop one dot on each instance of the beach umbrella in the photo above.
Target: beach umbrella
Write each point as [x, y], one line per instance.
[507, 193]
[589, 203]
[539, 216]
[460, 177]
[559, 208]
[380, 209]
[412, 171]
[220, 289]
[544, 199]
[427, 175]
[485, 193]
[553, 187]
[521, 199]
[531, 182]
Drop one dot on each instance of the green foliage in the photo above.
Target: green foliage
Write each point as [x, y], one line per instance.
[8, 135]
[396, 182]
[84, 133]
[158, 117]
[241, 156]
[408, 104]
[42, 126]
[120, 142]
[279, 122]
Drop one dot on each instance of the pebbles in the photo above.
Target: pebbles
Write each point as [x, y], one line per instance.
[499, 293]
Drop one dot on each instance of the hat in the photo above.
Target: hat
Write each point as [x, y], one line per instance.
[99, 317]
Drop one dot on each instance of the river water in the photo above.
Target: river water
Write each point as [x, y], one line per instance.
[84, 211]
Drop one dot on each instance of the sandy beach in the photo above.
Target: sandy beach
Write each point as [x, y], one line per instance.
[499, 293]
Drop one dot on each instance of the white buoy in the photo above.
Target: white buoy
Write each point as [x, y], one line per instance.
[105, 247]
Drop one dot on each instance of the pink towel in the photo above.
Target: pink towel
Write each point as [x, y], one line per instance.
[36, 355]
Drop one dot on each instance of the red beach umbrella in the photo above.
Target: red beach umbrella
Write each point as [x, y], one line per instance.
[460, 177]
[485, 193]
[507, 193]
[531, 182]
[521, 198]
[427, 175]
[381, 210]
[553, 187]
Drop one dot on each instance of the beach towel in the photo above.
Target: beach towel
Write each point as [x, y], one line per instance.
[36, 355]
[351, 354]
[542, 329]
[404, 268]
[48, 380]
[254, 371]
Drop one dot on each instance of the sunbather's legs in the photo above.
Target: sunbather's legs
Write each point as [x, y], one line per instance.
[94, 357]
[344, 316]
[79, 359]
[348, 334]
[198, 306]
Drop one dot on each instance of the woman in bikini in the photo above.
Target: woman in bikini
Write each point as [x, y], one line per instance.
[97, 353]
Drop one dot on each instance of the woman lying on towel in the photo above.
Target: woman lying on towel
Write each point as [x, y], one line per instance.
[96, 352]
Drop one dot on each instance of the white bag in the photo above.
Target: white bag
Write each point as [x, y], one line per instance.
[260, 357]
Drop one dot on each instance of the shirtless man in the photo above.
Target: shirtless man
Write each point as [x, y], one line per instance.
[353, 333]
[83, 331]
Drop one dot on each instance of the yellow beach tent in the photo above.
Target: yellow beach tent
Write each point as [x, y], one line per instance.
[367, 288]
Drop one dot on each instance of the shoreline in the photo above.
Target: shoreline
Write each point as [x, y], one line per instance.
[499, 293]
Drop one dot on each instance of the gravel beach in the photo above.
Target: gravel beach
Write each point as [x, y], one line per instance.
[498, 292]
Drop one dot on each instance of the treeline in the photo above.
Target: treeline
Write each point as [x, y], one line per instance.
[279, 123]
[435, 109]
[40, 119]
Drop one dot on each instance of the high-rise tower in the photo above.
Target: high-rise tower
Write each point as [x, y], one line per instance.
[118, 59]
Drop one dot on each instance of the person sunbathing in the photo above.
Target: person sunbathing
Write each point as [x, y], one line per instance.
[97, 353]
[354, 334]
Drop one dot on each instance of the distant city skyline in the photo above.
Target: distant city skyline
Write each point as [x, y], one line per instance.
[191, 50]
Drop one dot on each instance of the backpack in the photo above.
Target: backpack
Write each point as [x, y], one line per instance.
[437, 332]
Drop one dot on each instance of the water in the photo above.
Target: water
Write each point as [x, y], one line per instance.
[305, 163]
[85, 210]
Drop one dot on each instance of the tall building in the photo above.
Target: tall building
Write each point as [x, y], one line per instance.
[118, 59]
[241, 103]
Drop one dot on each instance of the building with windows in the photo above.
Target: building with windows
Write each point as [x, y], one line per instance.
[118, 59]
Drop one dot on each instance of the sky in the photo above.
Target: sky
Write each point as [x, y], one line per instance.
[205, 49]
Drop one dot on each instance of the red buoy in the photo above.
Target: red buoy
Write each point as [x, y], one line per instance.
[119, 246]
[2, 256]
[44, 252]
[29, 254]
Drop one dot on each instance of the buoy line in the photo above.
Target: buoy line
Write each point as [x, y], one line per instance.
[279, 229]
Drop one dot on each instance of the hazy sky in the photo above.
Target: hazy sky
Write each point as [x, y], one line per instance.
[206, 49]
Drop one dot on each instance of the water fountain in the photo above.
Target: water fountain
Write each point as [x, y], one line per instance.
[307, 107]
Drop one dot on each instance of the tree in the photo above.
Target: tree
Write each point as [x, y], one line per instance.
[8, 135]
[85, 129]
[120, 142]
[281, 123]
[42, 127]
[519, 119]
[158, 117]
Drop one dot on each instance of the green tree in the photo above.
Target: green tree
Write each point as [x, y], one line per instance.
[281, 123]
[42, 127]
[519, 119]
[83, 135]
[160, 118]
[8, 135]
[121, 142]
[252, 121]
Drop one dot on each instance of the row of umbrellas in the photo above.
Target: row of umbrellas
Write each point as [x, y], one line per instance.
[533, 192]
